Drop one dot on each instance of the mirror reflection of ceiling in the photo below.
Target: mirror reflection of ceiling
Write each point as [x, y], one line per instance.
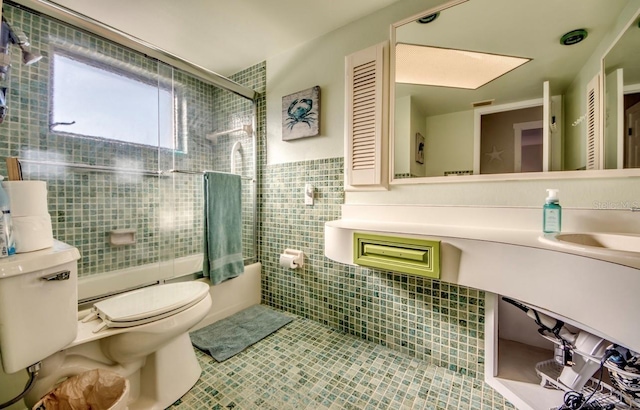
[529, 29]
[447, 67]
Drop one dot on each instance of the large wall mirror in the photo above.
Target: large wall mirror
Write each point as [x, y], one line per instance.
[622, 100]
[508, 90]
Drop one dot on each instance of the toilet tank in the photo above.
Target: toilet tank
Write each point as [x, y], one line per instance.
[38, 304]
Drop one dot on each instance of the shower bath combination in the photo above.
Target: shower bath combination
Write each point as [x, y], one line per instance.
[9, 36]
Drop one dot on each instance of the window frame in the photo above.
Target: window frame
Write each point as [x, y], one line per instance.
[109, 64]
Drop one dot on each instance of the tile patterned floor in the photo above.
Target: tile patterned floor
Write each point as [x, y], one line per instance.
[306, 365]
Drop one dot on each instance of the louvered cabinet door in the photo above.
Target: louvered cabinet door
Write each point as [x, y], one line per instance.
[593, 123]
[366, 150]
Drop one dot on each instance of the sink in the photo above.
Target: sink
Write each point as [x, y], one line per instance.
[619, 242]
[599, 243]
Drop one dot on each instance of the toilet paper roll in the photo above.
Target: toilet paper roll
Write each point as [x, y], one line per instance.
[32, 233]
[288, 261]
[27, 198]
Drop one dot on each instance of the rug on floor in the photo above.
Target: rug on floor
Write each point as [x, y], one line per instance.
[230, 336]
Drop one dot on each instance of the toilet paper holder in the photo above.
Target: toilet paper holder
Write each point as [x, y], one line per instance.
[298, 256]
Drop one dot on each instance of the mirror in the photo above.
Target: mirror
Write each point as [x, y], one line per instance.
[529, 117]
[622, 100]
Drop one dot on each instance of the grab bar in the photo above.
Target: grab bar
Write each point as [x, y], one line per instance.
[232, 159]
[180, 171]
[102, 168]
[247, 128]
[97, 168]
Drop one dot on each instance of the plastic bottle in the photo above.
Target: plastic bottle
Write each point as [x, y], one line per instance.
[7, 244]
[552, 213]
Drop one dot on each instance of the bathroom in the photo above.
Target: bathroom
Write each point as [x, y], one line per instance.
[369, 304]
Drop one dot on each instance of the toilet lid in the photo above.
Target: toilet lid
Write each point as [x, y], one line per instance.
[148, 304]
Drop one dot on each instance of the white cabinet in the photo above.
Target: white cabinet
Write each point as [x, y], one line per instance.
[366, 118]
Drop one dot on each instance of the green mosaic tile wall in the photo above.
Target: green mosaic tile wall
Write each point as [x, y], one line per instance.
[167, 212]
[428, 319]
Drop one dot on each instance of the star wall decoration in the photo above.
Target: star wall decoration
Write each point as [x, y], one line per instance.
[494, 154]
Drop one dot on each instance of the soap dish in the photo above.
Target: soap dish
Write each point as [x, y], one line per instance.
[120, 237]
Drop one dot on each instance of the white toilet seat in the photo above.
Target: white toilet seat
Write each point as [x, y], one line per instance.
[147, 305]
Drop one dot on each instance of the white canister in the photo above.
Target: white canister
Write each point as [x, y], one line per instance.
[27, 198]
[32, 233]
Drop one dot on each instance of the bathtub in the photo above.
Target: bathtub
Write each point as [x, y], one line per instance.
[233, 295]
[228, 297]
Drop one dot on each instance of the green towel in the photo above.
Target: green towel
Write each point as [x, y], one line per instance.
[223, 226]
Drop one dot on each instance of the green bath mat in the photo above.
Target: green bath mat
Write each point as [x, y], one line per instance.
[228, 337]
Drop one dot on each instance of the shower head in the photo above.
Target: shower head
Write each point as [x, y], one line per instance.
[28, 56]
[10, 36]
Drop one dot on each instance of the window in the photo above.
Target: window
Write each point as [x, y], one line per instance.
[104, 100]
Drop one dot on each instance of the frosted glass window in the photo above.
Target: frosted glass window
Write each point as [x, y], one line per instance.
[96, 100]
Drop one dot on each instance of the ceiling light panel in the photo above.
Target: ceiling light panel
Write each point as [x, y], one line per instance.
[445, 67]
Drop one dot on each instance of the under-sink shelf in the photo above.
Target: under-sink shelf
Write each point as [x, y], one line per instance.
[528, 372]
[606, 364]
[516, 373]
[549, 372]
[521, 364]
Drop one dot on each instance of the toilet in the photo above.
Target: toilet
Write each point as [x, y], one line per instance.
[141, 335]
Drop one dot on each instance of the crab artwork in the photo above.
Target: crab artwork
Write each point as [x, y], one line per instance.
[301, 114]
[299, 111]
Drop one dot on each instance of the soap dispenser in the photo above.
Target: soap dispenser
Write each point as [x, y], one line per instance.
[7, 244]
[552, 213]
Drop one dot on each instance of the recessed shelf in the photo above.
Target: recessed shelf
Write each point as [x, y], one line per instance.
[121, 237]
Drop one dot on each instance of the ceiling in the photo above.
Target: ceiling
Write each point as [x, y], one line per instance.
[226, 36]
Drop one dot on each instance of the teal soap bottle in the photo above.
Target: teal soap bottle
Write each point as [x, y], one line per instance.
[552, 213]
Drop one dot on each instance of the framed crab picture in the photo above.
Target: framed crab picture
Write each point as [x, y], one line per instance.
[301, 114]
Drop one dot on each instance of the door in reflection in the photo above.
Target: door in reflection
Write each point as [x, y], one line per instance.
[632, 142]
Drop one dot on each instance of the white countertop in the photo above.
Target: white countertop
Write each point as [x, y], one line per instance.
[520, 237]
[508, 225]
[481, 249]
